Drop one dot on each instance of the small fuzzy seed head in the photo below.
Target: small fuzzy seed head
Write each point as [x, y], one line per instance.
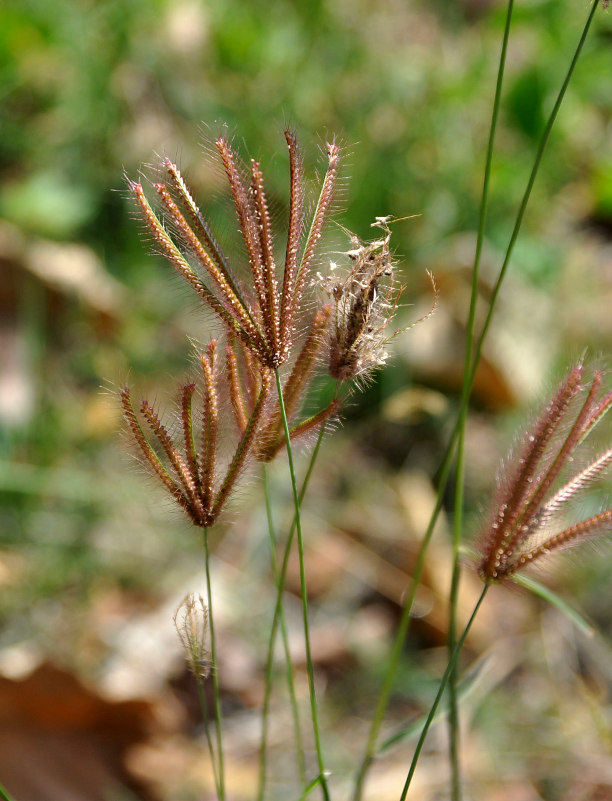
[191, 623]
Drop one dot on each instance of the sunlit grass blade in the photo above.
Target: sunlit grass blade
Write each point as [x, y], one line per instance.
[555, 600]
[465, 688]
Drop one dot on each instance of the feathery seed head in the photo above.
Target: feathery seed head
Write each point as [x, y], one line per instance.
[262, 313]
[529, 519]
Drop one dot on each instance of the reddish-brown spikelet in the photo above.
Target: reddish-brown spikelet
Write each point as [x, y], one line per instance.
[191, 477]
[264, 314]
[527, 521]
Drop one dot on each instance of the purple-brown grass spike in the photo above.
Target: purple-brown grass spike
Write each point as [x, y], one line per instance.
[171, 252]
[235, 388]
[187, 422]
[229, 299]
[152, 460]
[316, 228]
[522, 527]
[184, 474]
[244, 448]
[294, 236]
[245, 210]
[210, 424]
[199, 224]
[271, 312]
[520, 487]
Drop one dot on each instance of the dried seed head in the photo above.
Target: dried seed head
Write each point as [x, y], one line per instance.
[191, 623]
[530, 516]
[365, 301]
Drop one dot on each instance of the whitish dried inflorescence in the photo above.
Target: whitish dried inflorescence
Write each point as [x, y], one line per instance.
[191, 623]
[364, 302]
[265, 311]
[190, 469]
[531, 516]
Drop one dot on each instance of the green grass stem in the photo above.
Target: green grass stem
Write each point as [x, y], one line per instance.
[445, 678]
[445, 467]
[453, 712]
[303, 592]
[215, 673]
[270, 665]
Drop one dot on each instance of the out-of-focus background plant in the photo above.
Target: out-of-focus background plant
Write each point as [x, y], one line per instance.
[93, 562]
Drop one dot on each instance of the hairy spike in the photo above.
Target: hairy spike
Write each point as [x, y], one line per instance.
[149, 454]
[182, 266]
[210, 425]
[573, 535]
[188, 480]
[187, 421]
[246, 217]
[316, 227]
[200, 225]
[294, 233]
[237, 399]
[244, 448]
[305, 360]
[519, 533]
[229, 298]
[270, 312]
[520, 488]
[560, 459]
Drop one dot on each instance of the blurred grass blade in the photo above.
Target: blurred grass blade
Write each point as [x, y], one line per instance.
[464, 690]
[4, 795]
[307, 790]
[555, 600]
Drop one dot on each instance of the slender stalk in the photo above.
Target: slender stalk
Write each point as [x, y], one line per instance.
[445, 467]
[527, 194]
[215, 674]
[4, 795]
[211, 749]
[465, 394]
[298, 527]
[283, 571]
[445, 678]
[269, 669]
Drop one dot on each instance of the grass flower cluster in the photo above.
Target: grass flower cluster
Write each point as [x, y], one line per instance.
[280, 331]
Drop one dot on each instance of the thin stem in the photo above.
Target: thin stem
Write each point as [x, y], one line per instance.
[283, 571]
[298, 526]
[269, 668]
[4, 795]
[525, 200]
[447, 674]
[465, 394]
[215, 674]
[404, 623]
[211, 749]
